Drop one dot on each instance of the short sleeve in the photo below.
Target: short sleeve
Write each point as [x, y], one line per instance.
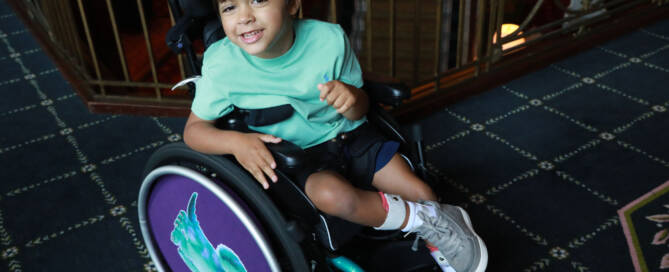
[209, 102]
[350, 72]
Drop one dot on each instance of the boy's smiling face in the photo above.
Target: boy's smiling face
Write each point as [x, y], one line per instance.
[262, 28]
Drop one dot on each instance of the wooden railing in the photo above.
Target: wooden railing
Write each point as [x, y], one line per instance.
[113, 52]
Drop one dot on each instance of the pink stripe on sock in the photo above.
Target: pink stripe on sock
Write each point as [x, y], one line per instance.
[385, 201]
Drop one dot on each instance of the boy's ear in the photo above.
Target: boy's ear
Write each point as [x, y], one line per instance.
[294, 6]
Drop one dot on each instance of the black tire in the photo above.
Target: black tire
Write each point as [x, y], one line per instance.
[288, 252]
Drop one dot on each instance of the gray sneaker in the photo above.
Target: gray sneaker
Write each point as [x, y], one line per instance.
[451, 231]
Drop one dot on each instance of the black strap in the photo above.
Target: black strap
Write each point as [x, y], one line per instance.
[266, 116]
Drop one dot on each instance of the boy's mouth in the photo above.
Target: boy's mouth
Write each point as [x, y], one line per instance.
[251, 36]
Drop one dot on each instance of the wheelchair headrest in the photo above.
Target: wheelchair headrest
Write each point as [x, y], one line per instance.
[197, 8]
[212, 32]
[199, 20]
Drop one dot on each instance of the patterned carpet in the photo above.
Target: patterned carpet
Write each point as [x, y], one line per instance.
[545, 161]
[542, 163]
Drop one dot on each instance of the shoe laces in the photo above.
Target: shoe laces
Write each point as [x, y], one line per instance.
[441, 233]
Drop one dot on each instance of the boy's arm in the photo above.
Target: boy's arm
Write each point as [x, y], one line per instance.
[348, 100]
[248, 148]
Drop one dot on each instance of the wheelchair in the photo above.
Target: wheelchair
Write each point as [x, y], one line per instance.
[200, 212]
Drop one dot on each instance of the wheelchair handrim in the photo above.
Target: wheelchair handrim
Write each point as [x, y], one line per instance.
[286, 246]
[145, 190]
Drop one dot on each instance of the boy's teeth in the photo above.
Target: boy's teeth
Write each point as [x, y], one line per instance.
[251, 37]
[246, 35]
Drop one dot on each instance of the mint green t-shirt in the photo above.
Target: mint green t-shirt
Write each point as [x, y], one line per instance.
[320, 52]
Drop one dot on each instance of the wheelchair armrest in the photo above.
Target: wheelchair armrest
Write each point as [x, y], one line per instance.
[288, 156]
[385, 90]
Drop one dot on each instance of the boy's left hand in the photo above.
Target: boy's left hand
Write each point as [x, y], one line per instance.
[339, 95]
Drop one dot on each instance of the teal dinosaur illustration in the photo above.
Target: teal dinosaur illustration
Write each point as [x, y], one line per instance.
[196, 250]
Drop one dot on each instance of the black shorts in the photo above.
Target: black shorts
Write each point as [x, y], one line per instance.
[353, 154]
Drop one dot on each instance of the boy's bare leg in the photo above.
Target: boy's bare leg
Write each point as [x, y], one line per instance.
[334, 195]
[397, 178]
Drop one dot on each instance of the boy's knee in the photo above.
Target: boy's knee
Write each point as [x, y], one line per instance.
[331, 197]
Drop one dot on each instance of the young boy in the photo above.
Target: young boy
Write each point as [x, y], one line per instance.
[269, 59]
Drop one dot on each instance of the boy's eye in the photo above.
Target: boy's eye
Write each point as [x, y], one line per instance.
[256, 2]
[227, 8]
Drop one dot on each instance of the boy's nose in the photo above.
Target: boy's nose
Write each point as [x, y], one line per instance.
[246, 15]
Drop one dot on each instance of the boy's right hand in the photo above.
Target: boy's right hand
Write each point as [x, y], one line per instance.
[254, 156]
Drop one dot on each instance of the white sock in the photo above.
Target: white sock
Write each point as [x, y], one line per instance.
[413, 217]
[396, 209]
[414, 220]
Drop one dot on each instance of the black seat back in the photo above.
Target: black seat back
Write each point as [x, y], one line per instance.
[194, 8]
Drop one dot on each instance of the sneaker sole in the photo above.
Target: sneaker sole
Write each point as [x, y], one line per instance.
[483, 263]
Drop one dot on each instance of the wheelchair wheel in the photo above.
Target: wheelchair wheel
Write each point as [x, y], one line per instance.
[200, 211]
